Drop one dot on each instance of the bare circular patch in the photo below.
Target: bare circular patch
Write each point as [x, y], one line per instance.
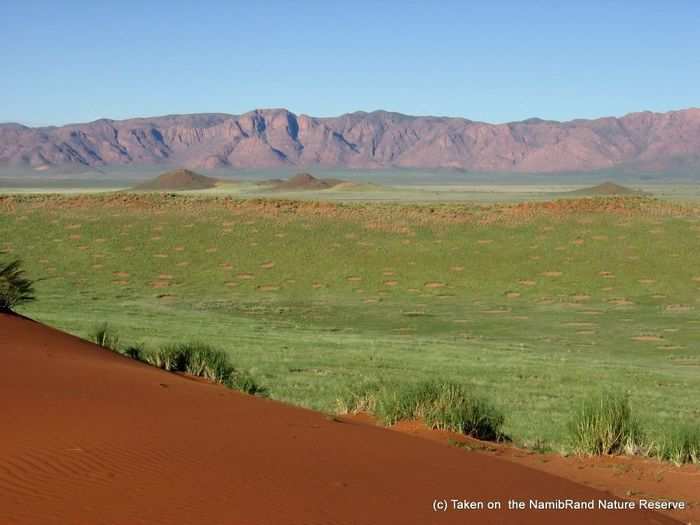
[644, 338]
[677, 308]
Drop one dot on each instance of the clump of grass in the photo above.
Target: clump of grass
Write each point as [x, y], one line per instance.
[105, 336]
[135, 351]
[165, 358]
[202, 360]
[405, 401]
[442, 405]
[680, 446]
[604, 425]
[360, 397]
[15, 288]
[457, 410]
[246, 383]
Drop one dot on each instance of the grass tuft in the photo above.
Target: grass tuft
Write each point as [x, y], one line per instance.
[457, 410]
[406, 401]
[202, 360]
[15, 288]
[442, 405]
[164, 358]
[681, 446]
[135, 351]
[359, 398]
[103, 335]
[604, 425]
[246, 383]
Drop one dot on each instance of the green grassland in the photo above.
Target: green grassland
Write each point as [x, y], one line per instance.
[534, 310]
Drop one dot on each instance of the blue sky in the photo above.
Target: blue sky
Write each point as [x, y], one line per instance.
[496, 61]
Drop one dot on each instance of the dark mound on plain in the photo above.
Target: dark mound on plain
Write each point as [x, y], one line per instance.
[304, 181]
[606, 188]
[178, 180]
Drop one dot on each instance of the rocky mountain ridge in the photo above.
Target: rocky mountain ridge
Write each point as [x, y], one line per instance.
[271, 138]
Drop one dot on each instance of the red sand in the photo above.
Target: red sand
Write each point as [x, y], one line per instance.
[90, 438]
[628, 477]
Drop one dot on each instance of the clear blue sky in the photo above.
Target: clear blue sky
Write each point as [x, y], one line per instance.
[497, 61]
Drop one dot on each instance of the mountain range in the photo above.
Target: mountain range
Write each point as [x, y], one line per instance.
[271, 138]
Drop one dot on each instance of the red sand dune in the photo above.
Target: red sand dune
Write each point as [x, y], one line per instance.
[89, 437]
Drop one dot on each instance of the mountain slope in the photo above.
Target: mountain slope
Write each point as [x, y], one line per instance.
[277, 138]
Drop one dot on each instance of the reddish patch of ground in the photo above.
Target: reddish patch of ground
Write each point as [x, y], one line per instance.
[91, 437]
[625, 477]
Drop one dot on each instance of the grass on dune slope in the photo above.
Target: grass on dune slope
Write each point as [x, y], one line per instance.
[533, 312]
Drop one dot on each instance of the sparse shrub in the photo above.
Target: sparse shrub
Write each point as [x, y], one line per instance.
[442, 405]
[604, 425]
[103, 335]
[15, 288]
[681, 446]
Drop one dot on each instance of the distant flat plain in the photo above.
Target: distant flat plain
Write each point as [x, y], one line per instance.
[368, 185]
